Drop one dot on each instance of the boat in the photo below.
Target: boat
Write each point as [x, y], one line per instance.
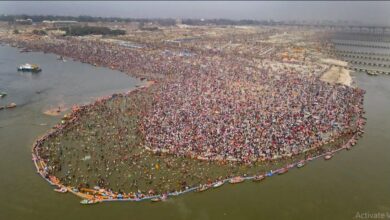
[61, 190]
[258, 178]
[371, 73]
[164, 197]
[328, 156]
[11, 105]
[89, 201]
[25, 50]
[29, 68]
[301, 164]
[203, 188]
[218, 184]
[237, 179]
[283, 170]
[3, 94]
[290, 166]
[61, 58]
[156, 199]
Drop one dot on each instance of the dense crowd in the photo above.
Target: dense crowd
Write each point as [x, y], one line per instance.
[209, 106]
[225, 107]
[229, 113]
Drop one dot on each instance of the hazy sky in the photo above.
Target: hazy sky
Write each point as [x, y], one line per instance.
[368, 12]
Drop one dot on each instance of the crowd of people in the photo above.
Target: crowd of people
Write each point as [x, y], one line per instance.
[229, 113]
[213, 107]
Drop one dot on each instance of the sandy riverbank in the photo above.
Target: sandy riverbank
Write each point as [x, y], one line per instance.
[338, 75]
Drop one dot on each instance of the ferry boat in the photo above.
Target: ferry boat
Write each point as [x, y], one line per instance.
[29, 68]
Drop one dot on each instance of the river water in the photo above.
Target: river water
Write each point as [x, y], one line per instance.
[353, 182]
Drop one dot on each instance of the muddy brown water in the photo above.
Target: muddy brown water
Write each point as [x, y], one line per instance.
[353, 181]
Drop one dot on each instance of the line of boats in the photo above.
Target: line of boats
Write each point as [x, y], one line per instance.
[204, 187]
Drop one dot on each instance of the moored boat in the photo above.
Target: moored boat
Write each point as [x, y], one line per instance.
[61, 190]
[89, 201]
[11, 105]
[258, 178]
[328, 156]
[203, 188]
[157, 199]
[218, 184]
[237, 179]
[283, 170]
[164, 197]
[301, 164]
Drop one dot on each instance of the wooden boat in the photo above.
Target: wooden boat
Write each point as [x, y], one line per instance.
[283, 170]
[237, 179]
[61, 190]
[328, 156]
[258, 178]
[218, 184]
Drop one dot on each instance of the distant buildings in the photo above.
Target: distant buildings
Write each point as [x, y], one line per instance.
[59, 24]
[23, 21]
